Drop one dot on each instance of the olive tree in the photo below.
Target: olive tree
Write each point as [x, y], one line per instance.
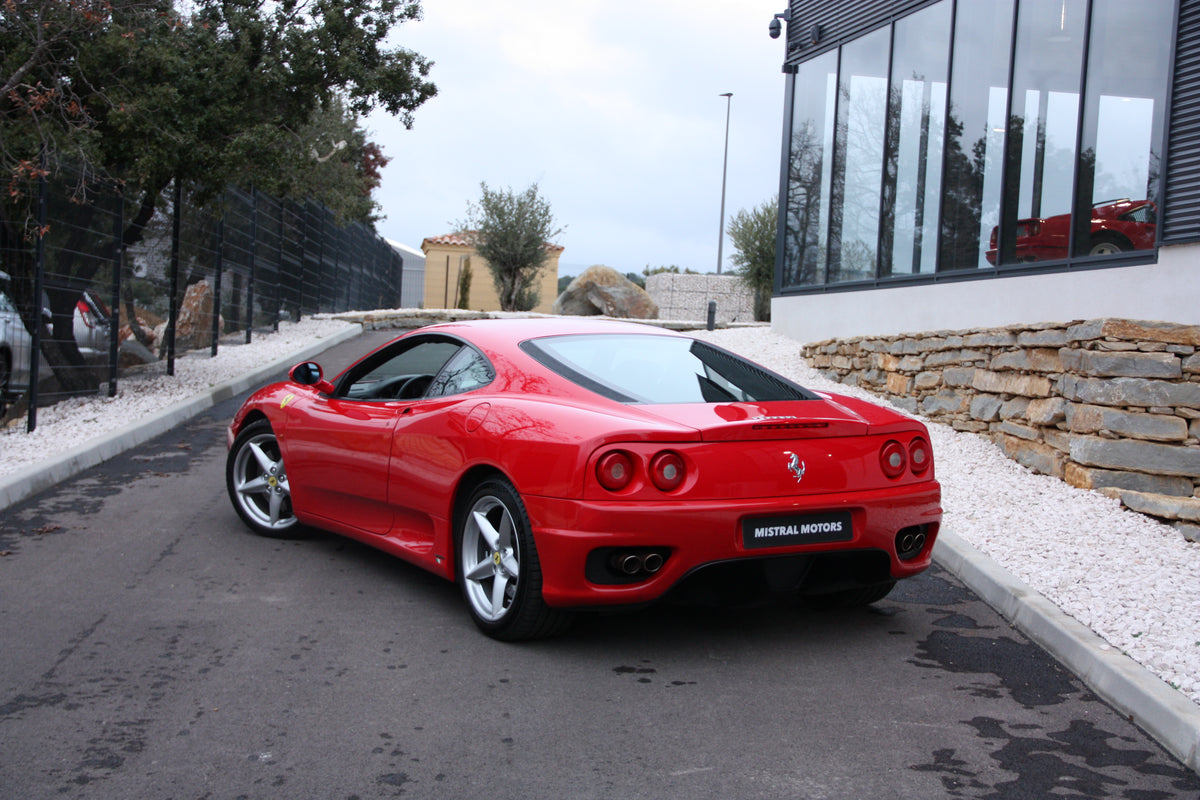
[753, 236]
[512, 231]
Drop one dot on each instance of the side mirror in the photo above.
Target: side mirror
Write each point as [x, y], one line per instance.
[309, 373]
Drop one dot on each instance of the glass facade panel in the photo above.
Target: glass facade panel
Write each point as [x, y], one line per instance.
[858, 158]
[810, 162]
[916, 132]
[975, 133]
[1019, 154]
[1123, 117]
[1042, 132]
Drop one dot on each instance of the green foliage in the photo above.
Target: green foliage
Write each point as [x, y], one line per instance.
[673, 269]
[340, 167]
[635, 278]
[564, 281]
[753, 236]
[464, 284]
[214, 92]
[512, 231]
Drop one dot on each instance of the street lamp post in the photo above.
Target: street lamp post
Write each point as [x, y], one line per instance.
[724, 171]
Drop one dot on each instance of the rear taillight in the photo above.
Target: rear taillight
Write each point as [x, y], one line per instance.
[614, 470]
[919, 456]
[637, 471]
[667, 471]
[893, 459]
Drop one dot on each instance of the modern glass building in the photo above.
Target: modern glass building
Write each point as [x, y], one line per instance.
[969, 163]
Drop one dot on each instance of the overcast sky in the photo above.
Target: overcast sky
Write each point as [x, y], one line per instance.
[612, 107]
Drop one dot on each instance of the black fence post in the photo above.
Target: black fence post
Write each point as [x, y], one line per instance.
[173, 278]
[250, 277]
[39, 263]
[118, 266]
[219, 262]
[278, 268]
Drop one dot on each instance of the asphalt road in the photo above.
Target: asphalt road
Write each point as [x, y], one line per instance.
[151, 647]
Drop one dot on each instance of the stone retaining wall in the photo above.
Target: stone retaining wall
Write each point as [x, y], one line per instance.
[1106, 404]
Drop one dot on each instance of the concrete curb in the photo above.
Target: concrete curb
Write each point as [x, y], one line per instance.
[1164, 713]
[16, 488]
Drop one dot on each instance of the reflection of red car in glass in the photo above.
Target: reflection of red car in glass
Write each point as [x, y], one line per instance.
[1117, 226]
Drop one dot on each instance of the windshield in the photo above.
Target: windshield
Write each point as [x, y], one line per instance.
[646, 368]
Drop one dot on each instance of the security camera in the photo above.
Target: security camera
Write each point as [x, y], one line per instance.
[776, 27]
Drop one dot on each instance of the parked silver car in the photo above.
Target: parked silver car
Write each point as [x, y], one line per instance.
[15, 345]
[91, 326]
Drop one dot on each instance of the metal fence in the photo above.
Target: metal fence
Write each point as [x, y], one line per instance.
[195, 278]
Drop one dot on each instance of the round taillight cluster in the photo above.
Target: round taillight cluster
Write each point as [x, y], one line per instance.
[895, 458]
[919, 455]
[667, 471]
[617, 469]
[614, 470]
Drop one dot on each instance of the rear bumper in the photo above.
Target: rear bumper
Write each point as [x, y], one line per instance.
[703, 533]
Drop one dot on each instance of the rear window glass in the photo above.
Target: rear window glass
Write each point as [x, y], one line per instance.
[645, 368]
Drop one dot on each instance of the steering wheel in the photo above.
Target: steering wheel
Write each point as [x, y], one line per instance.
[402, 387]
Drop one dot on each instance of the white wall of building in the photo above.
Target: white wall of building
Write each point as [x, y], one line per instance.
[1168, 291]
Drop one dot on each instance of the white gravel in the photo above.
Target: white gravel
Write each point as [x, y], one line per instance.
[69, 424]
[1136, 582]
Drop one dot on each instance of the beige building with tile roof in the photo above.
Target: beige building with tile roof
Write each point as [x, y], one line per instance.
[445, 257]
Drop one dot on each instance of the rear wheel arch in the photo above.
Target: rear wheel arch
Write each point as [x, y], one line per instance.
[467, 484]
[1103, 241]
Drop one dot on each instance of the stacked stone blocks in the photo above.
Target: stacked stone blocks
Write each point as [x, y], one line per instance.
[1107, 404]
[681, 296]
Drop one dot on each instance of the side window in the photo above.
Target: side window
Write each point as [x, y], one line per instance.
[467, 370]
[403, 375]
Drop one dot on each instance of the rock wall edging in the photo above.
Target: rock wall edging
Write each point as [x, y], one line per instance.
[1105, 404]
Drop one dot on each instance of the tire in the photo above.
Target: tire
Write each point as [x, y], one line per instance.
[850, 598]
[498, 568]
[257, 483]
[1105, 244]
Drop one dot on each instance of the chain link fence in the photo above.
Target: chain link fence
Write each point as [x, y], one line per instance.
[93, 287]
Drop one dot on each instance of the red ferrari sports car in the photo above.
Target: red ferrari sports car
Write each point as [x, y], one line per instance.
[552, 465]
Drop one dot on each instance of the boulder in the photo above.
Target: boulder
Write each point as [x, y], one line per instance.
[193, 329]
[603, 290]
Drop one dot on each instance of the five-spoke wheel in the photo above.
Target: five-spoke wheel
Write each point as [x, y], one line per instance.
[258, 484]
[498, 567]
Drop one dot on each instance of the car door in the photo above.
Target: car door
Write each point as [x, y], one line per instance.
[339, 447]
[428, 446]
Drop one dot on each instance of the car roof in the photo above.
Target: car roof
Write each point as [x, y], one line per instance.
[507, 333]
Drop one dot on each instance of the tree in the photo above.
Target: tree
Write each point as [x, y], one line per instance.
[341, 166]
[753, 236]
[464, 284]
[513, 233]
[209, 94]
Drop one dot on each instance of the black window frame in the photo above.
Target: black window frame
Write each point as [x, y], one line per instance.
[812, 24]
